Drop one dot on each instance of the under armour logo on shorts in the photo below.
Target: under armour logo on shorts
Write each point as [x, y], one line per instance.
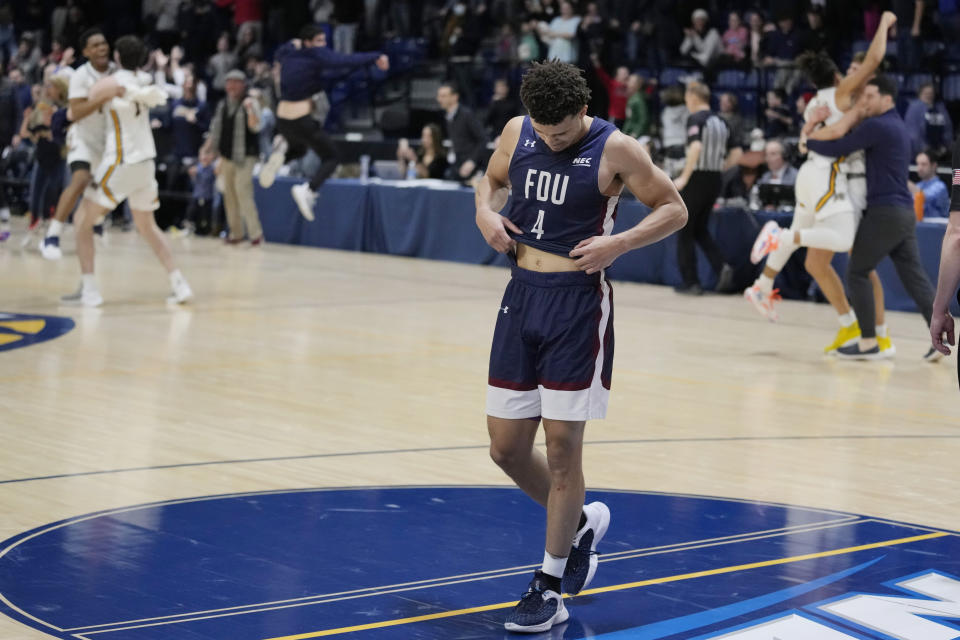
[504, 309]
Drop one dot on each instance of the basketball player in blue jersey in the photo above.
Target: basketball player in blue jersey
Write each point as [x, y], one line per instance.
[552, 350]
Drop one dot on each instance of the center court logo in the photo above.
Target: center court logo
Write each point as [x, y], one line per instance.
[20, 330]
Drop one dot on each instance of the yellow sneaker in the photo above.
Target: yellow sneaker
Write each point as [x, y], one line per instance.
[845, 337]
[887, 350]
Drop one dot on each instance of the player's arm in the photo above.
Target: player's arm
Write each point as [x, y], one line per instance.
[874, 57]
[838, 129]
[101, 92]
[492, 189]
[627, 159]
[863, 137]
[941, 324]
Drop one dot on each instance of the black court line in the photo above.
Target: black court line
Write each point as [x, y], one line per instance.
[380, 452]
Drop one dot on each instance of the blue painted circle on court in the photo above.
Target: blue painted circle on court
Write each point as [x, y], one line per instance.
[447, 562]
[23, 330]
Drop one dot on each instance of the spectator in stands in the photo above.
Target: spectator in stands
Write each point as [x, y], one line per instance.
[593, 32]
[781, 47]
[8, 35]
[248, 43]
[247, 15]
[730, 112]
[502, 107]
[465, 132]
[780, 120]
[233, 134]
[909, 47]
[736, 39]
[673, 129]
[189, 120]
[221, 63]
[430, 161]
[530, 46]
[27, 58]
[815, 38]
[199, 214]
[779, 171]
[196, 21]
[638, 112]
[561, 35]
[701, 42]
[930, 195]
[616, 91]
[756, 37]
[929, 123]
[347, 15]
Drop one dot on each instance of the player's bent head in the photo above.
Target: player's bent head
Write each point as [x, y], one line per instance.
[819, 69]
[554, 91]
[131, 53]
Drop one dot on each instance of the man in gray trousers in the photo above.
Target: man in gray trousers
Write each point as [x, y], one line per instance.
[888, 227]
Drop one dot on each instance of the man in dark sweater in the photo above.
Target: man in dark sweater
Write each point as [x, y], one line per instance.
[889, 224]
[465, 131]
[302, 66]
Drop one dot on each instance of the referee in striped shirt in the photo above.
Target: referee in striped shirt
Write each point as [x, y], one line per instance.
[708, 142]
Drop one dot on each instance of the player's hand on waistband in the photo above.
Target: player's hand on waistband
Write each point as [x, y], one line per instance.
[596, 253]
[494, 227]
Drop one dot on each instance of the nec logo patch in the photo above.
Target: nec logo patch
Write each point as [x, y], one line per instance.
[581, 162]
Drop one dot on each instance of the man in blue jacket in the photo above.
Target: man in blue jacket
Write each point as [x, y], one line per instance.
[302, 66]
[888, 227]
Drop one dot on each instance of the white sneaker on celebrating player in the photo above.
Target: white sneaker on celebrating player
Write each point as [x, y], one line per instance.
[763, 302]
[268, 172]
[83, 298]
[305, 198]
[50, 248]
[767, 240]
[181, 291]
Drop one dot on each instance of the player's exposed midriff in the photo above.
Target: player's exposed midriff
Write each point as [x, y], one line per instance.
[536, 260]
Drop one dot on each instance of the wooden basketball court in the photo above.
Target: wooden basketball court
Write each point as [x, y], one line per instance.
[302, 368]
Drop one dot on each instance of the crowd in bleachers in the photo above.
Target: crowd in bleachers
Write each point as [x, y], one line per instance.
[633, 52]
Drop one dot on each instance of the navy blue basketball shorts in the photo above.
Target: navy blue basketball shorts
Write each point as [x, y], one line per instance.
[552, 352]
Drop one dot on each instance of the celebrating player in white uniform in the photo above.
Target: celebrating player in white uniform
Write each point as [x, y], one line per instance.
[831, 195]
[126, 171]
[85, 138]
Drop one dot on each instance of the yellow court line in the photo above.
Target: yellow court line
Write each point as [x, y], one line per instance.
[450, 580]
[617, 587]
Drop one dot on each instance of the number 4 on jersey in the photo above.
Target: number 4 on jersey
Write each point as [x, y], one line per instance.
[538, 226]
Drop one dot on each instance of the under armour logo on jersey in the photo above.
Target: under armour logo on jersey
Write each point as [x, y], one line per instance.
[504, 309]
[581, 162]
[529, 143]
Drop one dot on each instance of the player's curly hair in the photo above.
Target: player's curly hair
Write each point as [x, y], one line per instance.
[819, 68]
[553, 90]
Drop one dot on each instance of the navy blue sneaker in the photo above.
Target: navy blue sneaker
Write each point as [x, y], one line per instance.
[582, 561]
[539, 609]
[853, 352]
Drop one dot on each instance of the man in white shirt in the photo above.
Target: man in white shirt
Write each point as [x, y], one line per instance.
[126, 171]
[779, 171]
[85, 137]
[561, 34]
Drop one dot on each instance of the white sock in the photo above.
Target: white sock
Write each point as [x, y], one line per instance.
[881, 331]
[54, 228]
[765, 283]
[176, 277]
[553, 566]
[4, 214]
[88, 282]
[847, 318]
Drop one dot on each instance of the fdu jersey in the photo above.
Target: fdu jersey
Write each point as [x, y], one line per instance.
[555, 198]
